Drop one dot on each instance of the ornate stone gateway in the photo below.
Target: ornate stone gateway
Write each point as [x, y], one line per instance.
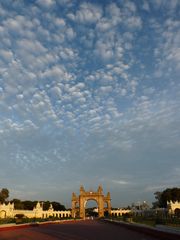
[84, 196]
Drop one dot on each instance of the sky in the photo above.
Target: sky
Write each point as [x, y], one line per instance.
[89, 95]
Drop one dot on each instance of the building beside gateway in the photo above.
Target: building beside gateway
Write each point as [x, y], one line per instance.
[119, 212]
[172, 206]
[8, 211]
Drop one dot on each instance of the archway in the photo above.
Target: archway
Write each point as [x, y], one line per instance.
[2, 214]
[91, 208]
[90, 195]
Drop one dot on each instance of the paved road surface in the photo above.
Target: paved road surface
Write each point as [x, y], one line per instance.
[81, 230]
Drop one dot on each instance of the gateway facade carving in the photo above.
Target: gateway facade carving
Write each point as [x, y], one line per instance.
[79, 202]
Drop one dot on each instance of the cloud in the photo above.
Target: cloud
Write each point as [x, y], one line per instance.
[46, 3]
[103, 25]
[93, 86]
[18, 24]
[146, 6]
[6, 55]
[120, 182]
[70, 33]
[156, 188]
[168, 50]
[87, 13]
[115, 14]
[60, 22]
[104, 50]
[134, 22]
[57, 72]
[170, 5]
[31, 46]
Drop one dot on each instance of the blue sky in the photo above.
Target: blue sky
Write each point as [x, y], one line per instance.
[89, 94]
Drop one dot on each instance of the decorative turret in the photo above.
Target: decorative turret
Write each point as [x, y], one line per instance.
[82, 189]
[74, 197]
[11, 206]
[108, 195]
[38, 207]
[100, 189]
[51, 207]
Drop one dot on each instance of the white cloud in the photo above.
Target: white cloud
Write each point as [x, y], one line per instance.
[156, 188]
[120, 182]
[31, 46]
[123, 92]
[115, 13]
[18, 24]
[134, 22]
[70, 33]
[130, 6]
[68, 53]
[56, 92]
[60, 22]
[167, 5]
[57, 72]
[88, 13]
[83, 78]
[145, 6]
[6, 55]
[103, 25]
[106, 89]
[104, 50]
[46, 3]
[71, 16]
[167, 52]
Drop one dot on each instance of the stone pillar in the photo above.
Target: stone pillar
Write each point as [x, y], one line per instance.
[109, 202]
[73, 209]
[81, 207]
[74, 201]
[101, 207]
[100, 190]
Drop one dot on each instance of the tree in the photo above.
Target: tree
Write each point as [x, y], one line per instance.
[46, 205]
[17, 204]
[58, 206]
[169, 194]
[29, 205]
[4, 194]
[157, 203]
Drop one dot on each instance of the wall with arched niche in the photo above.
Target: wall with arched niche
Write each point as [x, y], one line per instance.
[2, 214]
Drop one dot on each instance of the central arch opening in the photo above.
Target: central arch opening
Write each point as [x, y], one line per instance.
[91, 208]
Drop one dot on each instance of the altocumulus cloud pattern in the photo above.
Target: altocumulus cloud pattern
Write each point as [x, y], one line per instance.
[89, 93]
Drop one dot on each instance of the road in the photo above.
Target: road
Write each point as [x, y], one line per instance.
[80, 230]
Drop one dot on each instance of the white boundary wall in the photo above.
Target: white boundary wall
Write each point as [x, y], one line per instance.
[9, 211]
